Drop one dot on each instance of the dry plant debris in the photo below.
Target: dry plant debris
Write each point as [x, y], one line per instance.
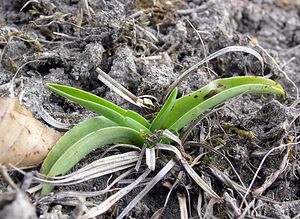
[24, 141]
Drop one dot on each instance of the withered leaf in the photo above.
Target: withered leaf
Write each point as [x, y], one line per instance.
[24, 141]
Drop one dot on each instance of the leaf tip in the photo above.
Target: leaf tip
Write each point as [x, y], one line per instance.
[51, 85]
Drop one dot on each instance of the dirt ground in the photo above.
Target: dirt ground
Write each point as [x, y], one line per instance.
[145, 46]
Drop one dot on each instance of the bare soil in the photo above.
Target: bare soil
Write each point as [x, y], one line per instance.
[145, 46]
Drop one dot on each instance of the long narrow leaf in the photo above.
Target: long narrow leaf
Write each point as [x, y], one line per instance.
[72, 136]
[220, 98]
[161, 117]
[137, 117]
[129, 122]
[97, 104]
[189, 107]
[93, 140]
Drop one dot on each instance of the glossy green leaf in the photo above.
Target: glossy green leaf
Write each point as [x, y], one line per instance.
[189, 107]
[137, 117]
[136, 125]
[161, 117]
[83, 146]
[72, 136]
[98, 104]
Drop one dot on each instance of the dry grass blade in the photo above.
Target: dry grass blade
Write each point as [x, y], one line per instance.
[51, 121]
[148, 187]
[139, 162]
[191, 143]
[182, 205]
[260, 165]
[226, 180]
[278, 67]
[34, 189]
[119, 89]
[209, 208]
[190, 170]
[274, 175]
[199, 205]
[12, 82]
[95, 169]
[74, 194]
[232, 184]
[127, 146]
[159, 212]
[108, 203]
[233, 211]
[107, 161]
[103, 162]
[179, 178]
[27, 3]
[212, 56]
[150, 158]
[87, 8]
[200, 39]
[82, 177]
[150, 35]
[172, 137]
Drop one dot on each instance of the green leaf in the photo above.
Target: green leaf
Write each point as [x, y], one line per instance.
[137, 117]
[189, 107]
[136, 126]
[72, 136]
[161, 117]
[87, 143]
[98, 104]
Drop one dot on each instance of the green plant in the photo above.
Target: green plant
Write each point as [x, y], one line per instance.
[117, 125]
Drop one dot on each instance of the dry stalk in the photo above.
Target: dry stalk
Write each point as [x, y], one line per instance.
[278, 67]
[182, 205]
[260, 166]
[271, 179]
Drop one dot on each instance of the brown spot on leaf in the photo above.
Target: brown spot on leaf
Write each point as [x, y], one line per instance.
[211, 94]
[221, 87]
